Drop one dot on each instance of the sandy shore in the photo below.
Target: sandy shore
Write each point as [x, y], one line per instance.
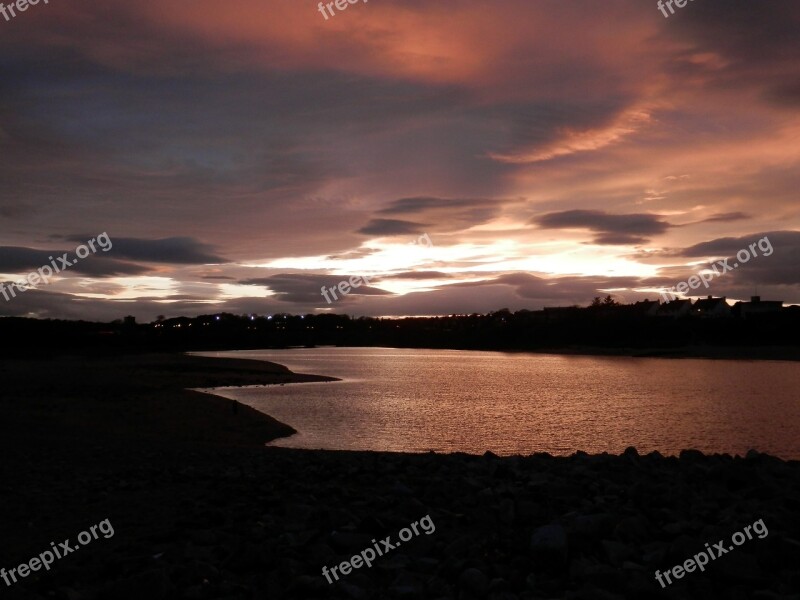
[202, 510]
[137, 399]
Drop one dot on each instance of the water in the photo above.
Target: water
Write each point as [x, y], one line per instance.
[449, 400]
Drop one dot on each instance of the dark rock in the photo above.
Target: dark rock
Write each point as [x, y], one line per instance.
[691, 455]
[549, 544]
[153, 585]
[473, 582]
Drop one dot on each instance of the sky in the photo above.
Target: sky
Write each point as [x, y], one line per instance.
[241, 155]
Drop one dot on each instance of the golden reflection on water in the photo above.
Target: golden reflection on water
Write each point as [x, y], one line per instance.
[448, 401]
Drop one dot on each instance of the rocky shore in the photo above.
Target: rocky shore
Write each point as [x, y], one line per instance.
[218, 516]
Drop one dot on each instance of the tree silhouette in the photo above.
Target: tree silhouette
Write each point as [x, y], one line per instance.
[609, 301]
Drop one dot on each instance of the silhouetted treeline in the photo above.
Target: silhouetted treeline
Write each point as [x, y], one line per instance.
[603, 327]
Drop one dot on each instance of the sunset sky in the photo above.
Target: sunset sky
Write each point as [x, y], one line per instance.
[240, 155]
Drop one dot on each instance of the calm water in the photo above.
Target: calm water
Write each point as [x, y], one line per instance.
[450, 400]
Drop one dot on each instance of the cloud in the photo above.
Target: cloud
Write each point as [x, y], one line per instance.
[447, 214]
[25, 260]
[572, 141]
[13, 210]
[423, 205]
[306, 289]
[174, 250]
[269, 134]
[754, 46]
[609, 229]
[726, 217]
[785, 95]
[728, 246]
[618, 239]
[775, 276]
[43, 303]
[419, 275]
[391, 227]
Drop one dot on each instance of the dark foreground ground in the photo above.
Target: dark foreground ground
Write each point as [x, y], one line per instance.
[201, 510]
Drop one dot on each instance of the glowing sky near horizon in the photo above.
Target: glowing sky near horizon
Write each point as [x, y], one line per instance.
[242, 157]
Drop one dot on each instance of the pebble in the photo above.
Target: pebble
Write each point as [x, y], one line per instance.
[243, 523]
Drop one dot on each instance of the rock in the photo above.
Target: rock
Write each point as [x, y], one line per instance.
[592, 526]
[616, 552]
[503, 595]
[203, 537]
[348, 542]
[153, 585]
[530, 581]
[506, 512]
[474, 582]
[691, 455]
[549, 544]
[740, 566]
[400, 489]
[196, 592]
[633, 529]
[352, 591]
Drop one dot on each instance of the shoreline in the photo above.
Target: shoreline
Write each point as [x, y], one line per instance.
[239, 523]
[201, 509]
[776, 353]
[137, 399]
[331, 442]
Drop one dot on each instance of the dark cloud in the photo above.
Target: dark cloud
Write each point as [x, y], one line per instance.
[570, 289]
[757, 42]
[788, 240]
[306, 289]
[512, 290]
[100, 266]
[43, 303]
[25, 260]
[772, 270]
[779, 268]
[535, 126]
[390, 227]
[420, 205]
[175, 250]
[609, 229]
[446, 214]
[726, 217]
